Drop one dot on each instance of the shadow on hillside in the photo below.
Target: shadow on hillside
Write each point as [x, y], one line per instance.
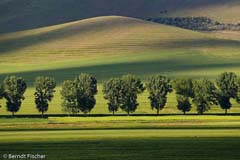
[20, 43]
[142, 69]
[201, 43]
[56, 34]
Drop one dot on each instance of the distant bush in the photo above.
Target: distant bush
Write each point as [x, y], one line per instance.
[195, 23]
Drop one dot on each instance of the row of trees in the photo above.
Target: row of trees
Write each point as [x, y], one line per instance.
[78, 95]
[196, 23]
[203, 93]
[13, 89]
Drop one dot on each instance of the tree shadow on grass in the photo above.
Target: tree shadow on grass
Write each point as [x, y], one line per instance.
[141, 69]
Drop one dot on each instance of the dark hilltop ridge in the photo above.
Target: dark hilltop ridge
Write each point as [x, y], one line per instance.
[18, 15]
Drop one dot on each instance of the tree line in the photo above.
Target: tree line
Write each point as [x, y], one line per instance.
[196, 23]
[78, 95]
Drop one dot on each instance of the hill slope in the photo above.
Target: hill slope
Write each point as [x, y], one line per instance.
[101, 36]
[113, 45]
[18, 15]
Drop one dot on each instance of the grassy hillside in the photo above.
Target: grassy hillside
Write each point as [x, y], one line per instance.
[18, 15]
[130, 45]
[112, 46]
[233, 35]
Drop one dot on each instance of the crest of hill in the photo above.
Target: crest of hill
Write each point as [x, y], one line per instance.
[93, 37]
[18, 15]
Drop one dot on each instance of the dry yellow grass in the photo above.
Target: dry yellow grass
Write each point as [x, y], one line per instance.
[91, 38]
[226, 12]
[232, 35]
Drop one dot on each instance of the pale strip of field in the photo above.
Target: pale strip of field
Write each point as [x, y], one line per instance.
[24, 136]
[232, 35]
[121, 122]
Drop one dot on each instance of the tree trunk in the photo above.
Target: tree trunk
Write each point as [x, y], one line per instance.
[42, 114]
[158, 111]
[128, 112]
[113, 113]
[184, 112]
[13, 114]
[226, 111]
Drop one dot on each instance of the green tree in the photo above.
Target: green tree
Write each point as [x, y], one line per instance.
[86, 86]
[112, 92]
[158, 87]
[14, 89]
[238, 93]
[183, 104]
[224, 102]
[204, 95]
[184, 91]
[79, 94]
[1, 92]
[132, 86]
[45, 88]
[227, 84]
[69, 96]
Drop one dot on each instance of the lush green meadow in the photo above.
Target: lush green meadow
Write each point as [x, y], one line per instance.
[134, 145]
[123, 137]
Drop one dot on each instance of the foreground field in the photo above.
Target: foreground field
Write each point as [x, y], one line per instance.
[135, 145]
[124, 122]
[136, 139]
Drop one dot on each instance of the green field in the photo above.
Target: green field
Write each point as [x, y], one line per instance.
[205, 138]
[124, 122]
[111, 46]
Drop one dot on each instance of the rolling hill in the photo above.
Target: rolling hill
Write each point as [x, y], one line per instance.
[111, 46]
[18, 15]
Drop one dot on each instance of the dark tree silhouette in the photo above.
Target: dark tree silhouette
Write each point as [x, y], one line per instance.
[227, 84]
[112, 92]
[158, 87]
[44, 92]
[14, 89]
